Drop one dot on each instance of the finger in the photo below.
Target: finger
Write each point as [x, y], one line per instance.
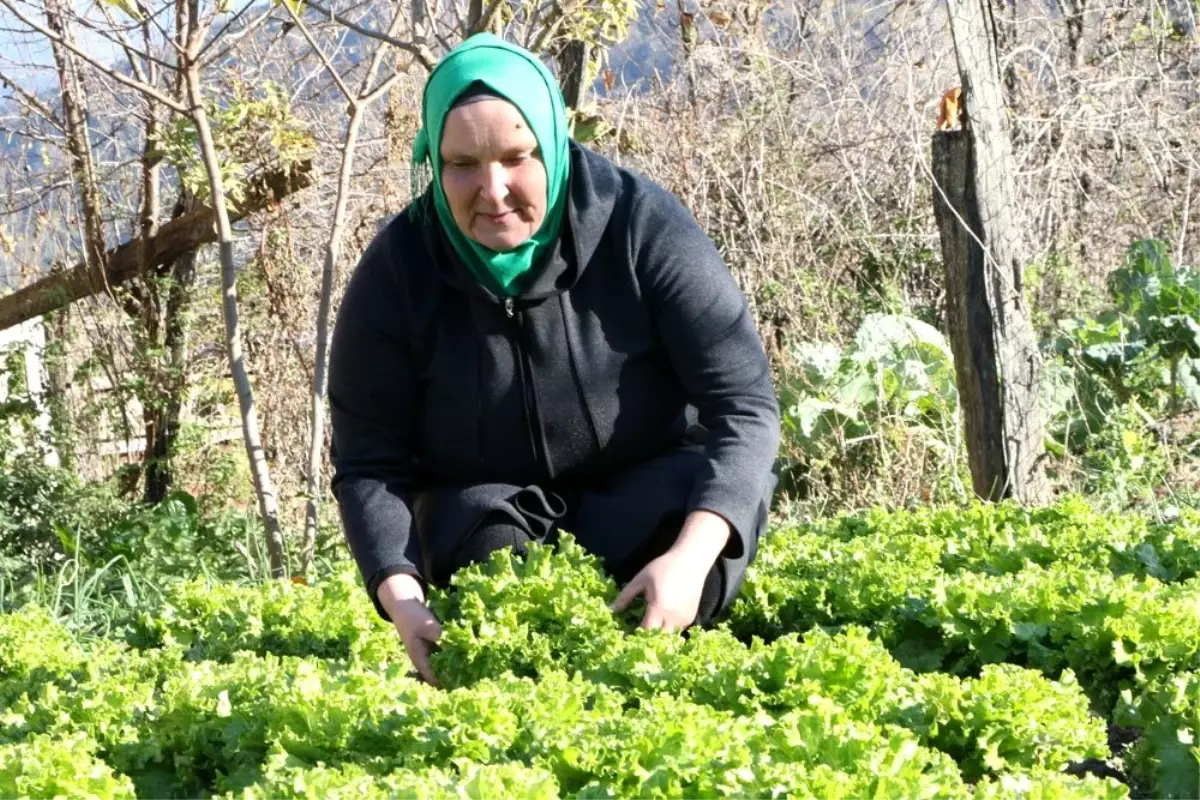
[430, 630]
[418, 653]
[631, 590]
[653, 620]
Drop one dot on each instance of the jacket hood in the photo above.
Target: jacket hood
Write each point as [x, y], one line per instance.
[593, 190]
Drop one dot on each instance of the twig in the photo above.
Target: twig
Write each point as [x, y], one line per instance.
[376, 60]
[232, 40]
[320, 53]
[121, 40]
[488, 18]
[229, 23]
[109, 71]
[125, 44]
[421, 52]
[33, 102]
[1183, 224]
[370, 97]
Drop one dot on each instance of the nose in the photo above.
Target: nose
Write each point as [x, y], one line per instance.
[493, 184]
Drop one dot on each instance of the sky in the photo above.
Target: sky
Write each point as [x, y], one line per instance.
[25, 55]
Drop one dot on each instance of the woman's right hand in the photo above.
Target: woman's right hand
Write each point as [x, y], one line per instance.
[404, 601]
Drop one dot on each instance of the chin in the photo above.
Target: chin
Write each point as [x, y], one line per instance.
[503, 242]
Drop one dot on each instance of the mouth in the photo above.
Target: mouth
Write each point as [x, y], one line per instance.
[498, 219]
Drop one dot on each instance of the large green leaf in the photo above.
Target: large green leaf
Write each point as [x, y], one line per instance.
[1136, 285]
[1177, 336]
[818, 363]
[816, 417]
[883, 336]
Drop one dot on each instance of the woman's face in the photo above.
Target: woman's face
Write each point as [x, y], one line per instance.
[492, 173]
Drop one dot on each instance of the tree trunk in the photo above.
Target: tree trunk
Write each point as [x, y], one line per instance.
[175, 238]
[316, 447]
[156, 482]
[173, 373]
[259, 470]
[573, 73]
[55, 362]
[332, 253]
[83, 168]
[78, 141]
[996, 357]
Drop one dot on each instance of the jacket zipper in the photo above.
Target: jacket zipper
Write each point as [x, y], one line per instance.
[526, 377]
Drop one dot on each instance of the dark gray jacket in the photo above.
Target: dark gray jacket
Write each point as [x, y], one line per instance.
[447, 401]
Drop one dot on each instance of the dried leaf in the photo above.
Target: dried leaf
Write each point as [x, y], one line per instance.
[687, 27]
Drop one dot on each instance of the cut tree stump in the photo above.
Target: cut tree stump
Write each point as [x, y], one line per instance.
[174, 238]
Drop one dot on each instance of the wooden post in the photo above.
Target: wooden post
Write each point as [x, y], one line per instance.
[995, 351]
[573, 73]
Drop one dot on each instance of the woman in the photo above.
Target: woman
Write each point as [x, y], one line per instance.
[544, 341]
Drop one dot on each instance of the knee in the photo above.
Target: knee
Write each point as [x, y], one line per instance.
[494, 532]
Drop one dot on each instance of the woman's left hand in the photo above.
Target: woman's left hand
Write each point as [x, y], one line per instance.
[673, 582]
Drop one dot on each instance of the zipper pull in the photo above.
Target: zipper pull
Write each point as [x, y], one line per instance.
[508, 307]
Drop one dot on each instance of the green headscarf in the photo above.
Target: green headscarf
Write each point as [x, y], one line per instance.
[518, 76]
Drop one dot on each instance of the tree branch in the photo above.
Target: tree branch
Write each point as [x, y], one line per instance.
[560, 12]
[229, 23]
[137, 85]
[374, 94]
[154, 18]
[33, 102]
[488, 17]
[125, 44]
[420, 52]
[321, 53]
[175, 238]
[232, 39]
[364, 96]
[119, 38]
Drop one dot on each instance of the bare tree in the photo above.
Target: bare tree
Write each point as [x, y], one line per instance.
[196, 26]
[357, 102]
[804, 154]
[259, 469]
[78, 142]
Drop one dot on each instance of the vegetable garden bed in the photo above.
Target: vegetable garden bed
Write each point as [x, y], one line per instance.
[989, 652]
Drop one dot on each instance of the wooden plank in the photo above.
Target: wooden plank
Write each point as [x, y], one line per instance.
[174, 238]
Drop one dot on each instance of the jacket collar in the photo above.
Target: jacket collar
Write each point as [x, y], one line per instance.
[592, 195]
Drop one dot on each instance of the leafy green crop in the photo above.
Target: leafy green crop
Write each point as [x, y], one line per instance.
[1116, 601]
[45, 766]
[902, 655]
